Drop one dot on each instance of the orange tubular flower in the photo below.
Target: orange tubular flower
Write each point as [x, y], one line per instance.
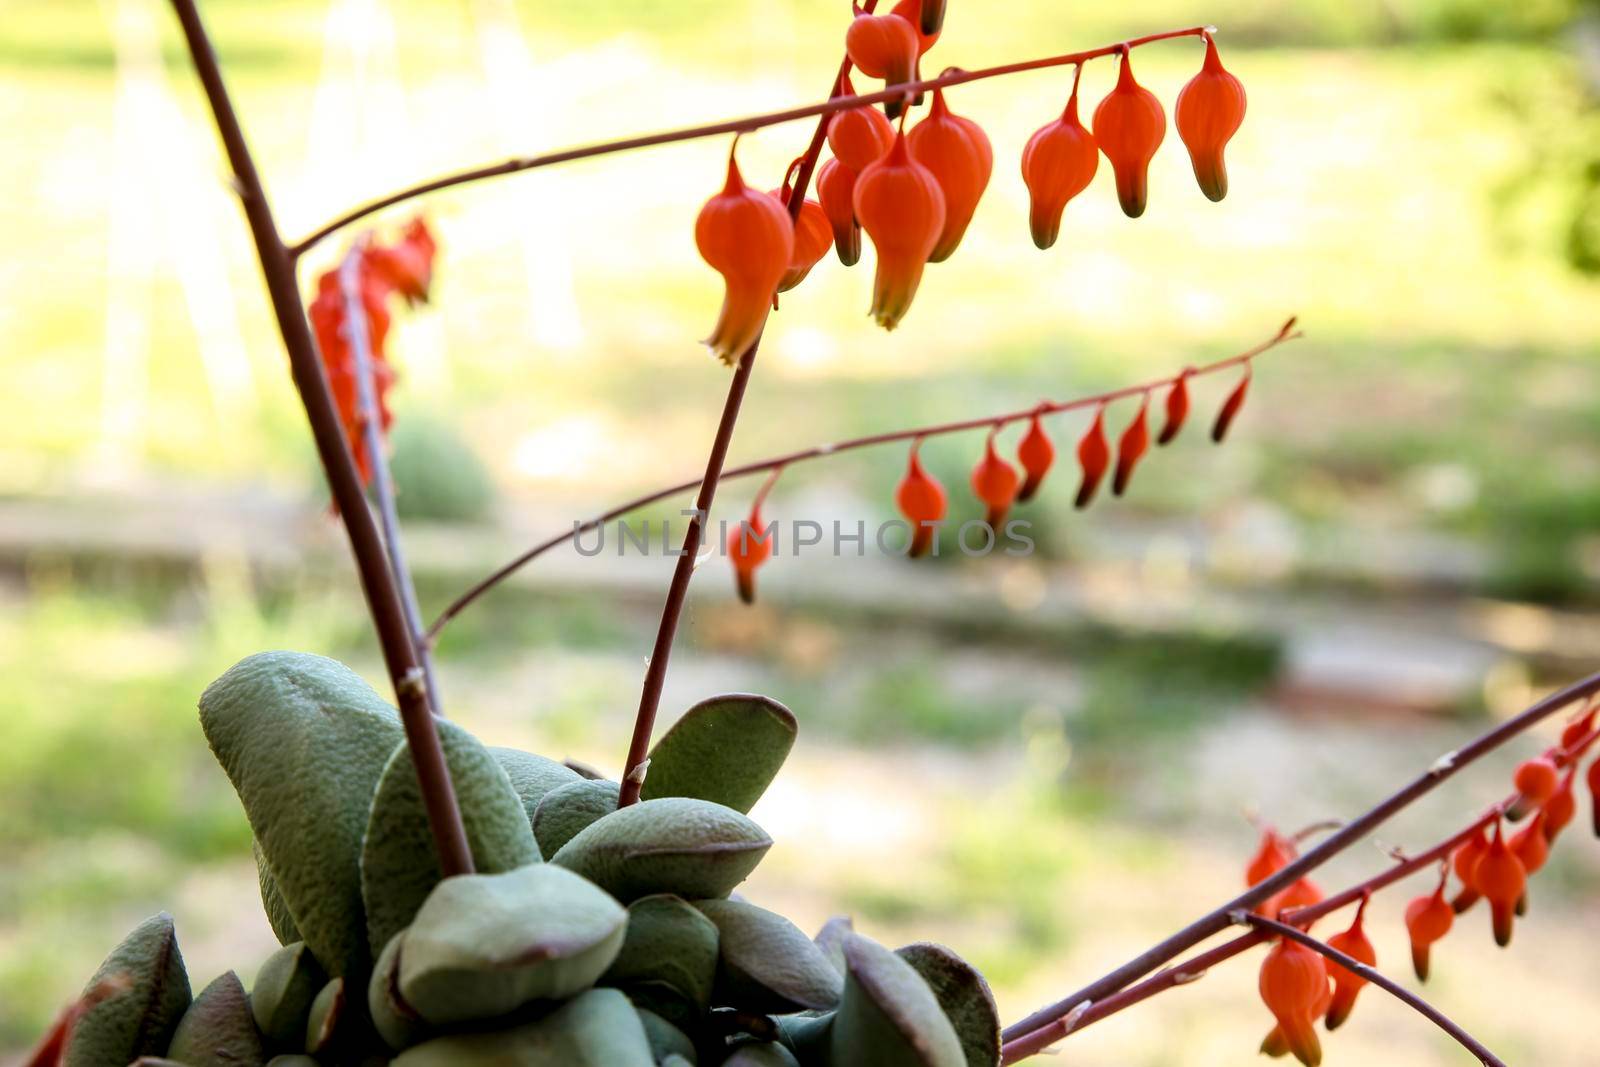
[1177, 408]
[1294, 987]
[900, 205]
[1058, 163]
[813, 236]
[1502, 881]
[860, 136]
[1467, 858]
[1036, 454]
[1209, 112]
[407, 266]
[1135, 441]
[749, 546]
[748, 238]
[958, 153]
[994, 481]
[836, 189]
[1531, 846]
[1347, 984]
[1561, 808]
[885, 47]
[912, 11]
[1593, 781]
[1129, 125]
[932, 17]
[922, 501]
[1094, 453]
[1428, 918]
[1578, 729]
[1537, 781]
[1272, 855]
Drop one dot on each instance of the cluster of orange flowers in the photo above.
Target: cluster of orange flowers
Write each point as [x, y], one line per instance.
[915, 191]
[406, 268]
[1300, 986]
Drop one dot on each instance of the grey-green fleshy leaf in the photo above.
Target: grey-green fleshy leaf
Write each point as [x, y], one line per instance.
[668, 961]
[139, 1019]
[304, 741]
[272, 901]
[761, 1054]
[665, 1039]
[327, 1019]
[395, 1020]
[677, 1061]
[484, 945]
[694, 849]
[830, 939]
[964, 996]
[598, 1028]
[766, 963]
[399, 862]
[218, 1029]
[567, 810]
[808, 1035]
[285, 987]
[532, 776]
[889, 1015]
[726, 749]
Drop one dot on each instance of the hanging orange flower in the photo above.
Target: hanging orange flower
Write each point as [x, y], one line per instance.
[913, 12]
[749, 546]
[1094, 453]
[1347, 984]
[1209, 112]
[921, 500]
[858, 136]
[1058, 163]
[884, 47]
[1036, 454]
[747, 237]
[958, 154]
[1536, 780]
[900, 205]
[1428, 919]
[1502, 881]
[327, 314]
[994, 481]
[1272, 855]
[1466, 860]
[1231, 407]
[1131, 448]
[1592, 779]
[836, 190]
[1177, 408]
[1531, 846]
[1294, 987]
[1129, 126]
[1562, 807]
[813, 236]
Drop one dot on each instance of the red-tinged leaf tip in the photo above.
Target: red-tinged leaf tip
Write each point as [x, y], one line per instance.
[1230, 407]
[1177, 408]
[1094, 454]
[1131, 448]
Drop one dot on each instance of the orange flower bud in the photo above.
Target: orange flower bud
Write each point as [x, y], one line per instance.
[883, 46]
[1536, 780]
[1466, 860]
[1094, 453]
[1230, 407]
[922, 501]
[1562, 807]
[749, 546]
[1347, 984]
[813, 236]
[1272, 855]
[1036, 454]
[912, 11]
[1428, 918]
[994, 481]
[748, 238]
[1177, 407]
[1129, 125]
[860, 136]
[1058, 163]
[1131, 448]
[1593, 781]
[958, 153]
[1294, 984]
[1209, 112]
[899, 204]
[1578, 729]
[1302, 894]
[1502, 880]
[1530, 844]
[836, 189]
[407, 266]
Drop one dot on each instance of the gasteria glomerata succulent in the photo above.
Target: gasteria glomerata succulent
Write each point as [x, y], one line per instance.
[440, 902]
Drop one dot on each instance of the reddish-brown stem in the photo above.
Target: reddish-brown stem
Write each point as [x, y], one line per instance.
[1044, 1027]
[954, 76]
[788, 459]
[1377, 978]
[383, 598]
[655, 675]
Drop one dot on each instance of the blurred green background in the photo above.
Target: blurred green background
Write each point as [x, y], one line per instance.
[1043, 761]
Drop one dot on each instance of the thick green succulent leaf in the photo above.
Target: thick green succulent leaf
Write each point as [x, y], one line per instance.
[304, 741]
[808, 1035]
[726, 749]
[964, 996]
[484, 945]
[272, 901]
[889, 1015]
[677, 1061]
[567, 810]
[761, 1054]
[326, 1022]
[598, 1028]
[830, 939]
[138, 1019]
[286, 985]
[532, 776]
[767, 964]
[399, 865]
[694, 849]
[665, 1039]
[668, 962]
[395, 1020]
[218, 1029]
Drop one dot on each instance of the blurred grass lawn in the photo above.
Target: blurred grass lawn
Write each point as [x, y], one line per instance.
[1448, 345]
